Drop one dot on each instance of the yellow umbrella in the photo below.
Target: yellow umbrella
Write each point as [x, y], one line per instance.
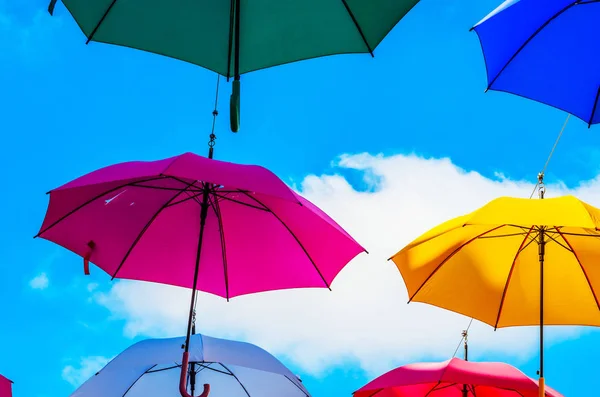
[513, 262]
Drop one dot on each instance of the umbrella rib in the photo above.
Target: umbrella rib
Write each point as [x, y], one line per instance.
[523, 245]
[150, 371]
[594, 108]
[240, 202]
[91, 201]
[100, 22]
[434, 388]
[295, 384]
[582, 268]
[215, 206]
[139, 377]
[194, 197]
[558, 242]
[294, 236]
[143, 231]
[206, 365]
[450, 256]
[236, 378]
[360, 31]
[528, 40]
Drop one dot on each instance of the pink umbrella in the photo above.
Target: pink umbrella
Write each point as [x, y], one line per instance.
[5, 387]
[454, 378]
[199, 223]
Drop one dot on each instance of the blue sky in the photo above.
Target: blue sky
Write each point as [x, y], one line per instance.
[68, 108]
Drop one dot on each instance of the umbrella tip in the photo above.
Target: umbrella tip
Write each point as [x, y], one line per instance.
[472, 29]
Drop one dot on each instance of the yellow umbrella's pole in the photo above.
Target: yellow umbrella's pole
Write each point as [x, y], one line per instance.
[542, 251]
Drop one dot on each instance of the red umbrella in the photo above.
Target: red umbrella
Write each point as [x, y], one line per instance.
[454, 378]
[5, 387]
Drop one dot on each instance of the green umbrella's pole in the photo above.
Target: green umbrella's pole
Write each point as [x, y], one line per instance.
[234, 102]
[542, 252]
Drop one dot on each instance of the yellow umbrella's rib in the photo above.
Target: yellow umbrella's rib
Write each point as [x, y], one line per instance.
[504, 235]
[556, 241]
[450, 256]
[582, 268]
[579, 234]
[524, 244]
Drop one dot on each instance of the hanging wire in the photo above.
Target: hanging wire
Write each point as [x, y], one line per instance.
[541, 174]
[215, 113]
[463, 338]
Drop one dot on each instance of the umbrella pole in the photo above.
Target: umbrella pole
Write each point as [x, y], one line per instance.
[542, 252]
[191, 325]
[234, 101]
[542, 245]
[465, 391]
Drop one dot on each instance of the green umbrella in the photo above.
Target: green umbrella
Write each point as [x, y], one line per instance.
[239, 36]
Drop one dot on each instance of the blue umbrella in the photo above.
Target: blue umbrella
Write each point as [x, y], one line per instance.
[547, 51]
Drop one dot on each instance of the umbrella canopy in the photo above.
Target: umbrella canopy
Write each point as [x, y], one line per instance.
[512, 262]
[532, 48]
[255, 35]
[453, 378]
[142, 221]
[239, 36]
[5, 387]
[233, 369]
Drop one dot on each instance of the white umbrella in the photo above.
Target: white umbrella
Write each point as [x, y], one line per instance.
[232, 369]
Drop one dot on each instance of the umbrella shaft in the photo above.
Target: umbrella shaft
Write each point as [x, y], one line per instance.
[236, 59]
[203, 215]
[542, 251]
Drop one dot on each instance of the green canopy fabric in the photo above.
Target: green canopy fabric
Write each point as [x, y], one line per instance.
[239, 36]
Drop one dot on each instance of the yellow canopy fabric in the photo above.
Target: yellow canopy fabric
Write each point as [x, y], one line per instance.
[486, 264]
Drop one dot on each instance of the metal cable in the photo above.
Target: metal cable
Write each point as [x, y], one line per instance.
[463, 338]
[551, 153]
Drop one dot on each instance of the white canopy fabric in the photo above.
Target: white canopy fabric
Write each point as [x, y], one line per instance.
[233, 369]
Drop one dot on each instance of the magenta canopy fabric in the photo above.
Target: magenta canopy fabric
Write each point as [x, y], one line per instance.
[5, 387]
[141, 221]
[451, 378]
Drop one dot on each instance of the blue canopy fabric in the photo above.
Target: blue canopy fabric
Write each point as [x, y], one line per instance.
[547, 51]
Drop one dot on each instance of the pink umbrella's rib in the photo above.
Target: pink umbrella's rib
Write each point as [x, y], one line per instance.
[295, 384]
[141, 234]
[165, 187]
[295, 237]
[193, 197]
[91, 201]
[450, 256]
[581, 266]
[241, 202]
[512, 268]
[217, 209]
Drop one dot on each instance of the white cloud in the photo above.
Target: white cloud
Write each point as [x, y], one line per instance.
[365, 319]
[39, 282]
[88, 366]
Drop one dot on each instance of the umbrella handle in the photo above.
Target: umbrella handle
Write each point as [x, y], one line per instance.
[86, 258]
[183, 378]
[234, 106]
